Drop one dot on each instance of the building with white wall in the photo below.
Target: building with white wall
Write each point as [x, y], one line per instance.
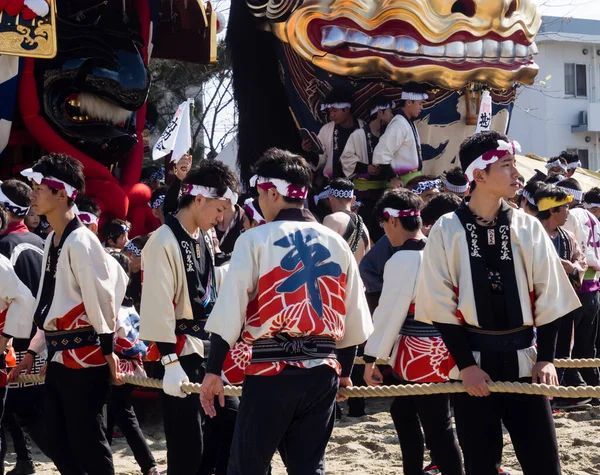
[562, 110]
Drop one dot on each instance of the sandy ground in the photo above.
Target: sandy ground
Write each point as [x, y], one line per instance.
[368, 445]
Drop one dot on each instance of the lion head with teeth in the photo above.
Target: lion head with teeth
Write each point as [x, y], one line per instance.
[305, 48]
[443, 42]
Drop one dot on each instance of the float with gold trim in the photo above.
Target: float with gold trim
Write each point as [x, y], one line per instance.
[289, 54]
[74, 79]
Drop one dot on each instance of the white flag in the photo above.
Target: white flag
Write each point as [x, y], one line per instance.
[177, 137]
[484, 121]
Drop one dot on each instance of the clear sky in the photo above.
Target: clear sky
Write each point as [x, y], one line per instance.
[589, 9]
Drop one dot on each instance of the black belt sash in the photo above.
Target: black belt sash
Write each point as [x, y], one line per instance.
[192, 328]
[70, 339]
[283, 347]
[413, 327]
[500, 341]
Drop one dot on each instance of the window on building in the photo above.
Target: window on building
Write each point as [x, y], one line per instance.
[575, 80]
[583, 154]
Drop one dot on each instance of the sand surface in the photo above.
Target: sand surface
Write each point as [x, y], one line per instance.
[368, 445]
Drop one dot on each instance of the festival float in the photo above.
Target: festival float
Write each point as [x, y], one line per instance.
[287, 55]
[74, 79]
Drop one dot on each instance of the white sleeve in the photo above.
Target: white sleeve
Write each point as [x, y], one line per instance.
[38, 342]
[159, 291]
[358, 325]
[229, 313]
[220, 273]
[436, 300]
[97, 284]
[21, 304]
[554, 296]
[388, 144]
[394, 303]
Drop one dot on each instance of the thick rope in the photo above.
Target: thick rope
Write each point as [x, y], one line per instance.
[384, 391]
[558, 363]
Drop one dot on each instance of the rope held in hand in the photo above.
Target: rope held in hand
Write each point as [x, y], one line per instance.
[383, 391]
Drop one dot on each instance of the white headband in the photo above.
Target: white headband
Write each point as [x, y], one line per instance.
[87, 218]
[336, 105]
[252, 212]
[528, 197]
[413, 96]
[426, 186]
[397, 213]
[283, 187]
[577, 194]
[342, 194]
[195, 190]
[573, 165]
[492, 156]
[591, 205]
[382, 107]
[456, 188]
[556, 163]
[12, 206]
[321, 196]
[50, 181]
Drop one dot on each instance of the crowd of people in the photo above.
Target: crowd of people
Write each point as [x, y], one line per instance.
[473, 276]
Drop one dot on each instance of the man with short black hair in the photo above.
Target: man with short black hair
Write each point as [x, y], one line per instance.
[25, 251]
[456, 182]
[400, 145]
[335, 134]
[527, 197]
[489, 275]
[302, 342]
[77, 306]
[88, 212]
[573, 162]
[343, 221]
[425, 186]
[178, 294]
[437, 207]
[414, 349]
[156, 202]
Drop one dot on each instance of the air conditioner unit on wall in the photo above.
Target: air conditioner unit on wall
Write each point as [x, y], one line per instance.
[583, 118]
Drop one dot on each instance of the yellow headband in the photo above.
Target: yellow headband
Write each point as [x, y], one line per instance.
[551, 202]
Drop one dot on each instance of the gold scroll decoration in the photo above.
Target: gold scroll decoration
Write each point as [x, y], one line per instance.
[31, 38]
[490, 42]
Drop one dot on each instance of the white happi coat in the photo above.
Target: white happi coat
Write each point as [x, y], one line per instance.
[165, 294]
[397, 147]
[445, 289]
[90, 286]
[16, 302]
[357, 152]
[293, 277]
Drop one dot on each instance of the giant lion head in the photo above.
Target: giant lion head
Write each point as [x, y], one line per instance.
[443, 42]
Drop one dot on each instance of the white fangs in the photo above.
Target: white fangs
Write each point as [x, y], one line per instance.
[96, 107]
[473, 51]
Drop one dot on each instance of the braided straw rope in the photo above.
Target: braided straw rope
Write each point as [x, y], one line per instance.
[383, 391]
[559, 363]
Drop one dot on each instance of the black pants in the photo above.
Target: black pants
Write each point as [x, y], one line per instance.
[24, 419]
[182, 419]
[121, 412]
[218, 436]
[433, 413]
[585, 335]
[529, 422]
[568, 325]
[292, 411]
[73, 413]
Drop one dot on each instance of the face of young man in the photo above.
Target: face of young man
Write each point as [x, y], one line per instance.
[385, 116]
[339, 116]
[209, 212]
[501, 178]
[413, 109]
[43, 201]
[560, 215]
[158, 214]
